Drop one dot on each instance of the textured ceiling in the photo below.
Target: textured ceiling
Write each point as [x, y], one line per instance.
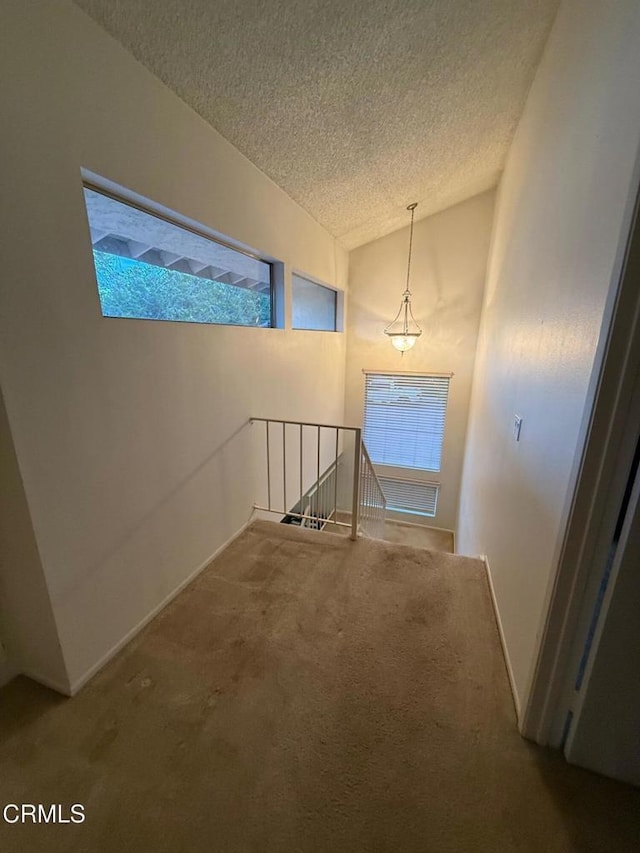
[354, 107]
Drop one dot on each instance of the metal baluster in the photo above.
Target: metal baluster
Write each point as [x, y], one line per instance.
[317, 513]
[362, 498]
[375, 514]
[284, 467]
[268, 469]
[367, 486]
[300, 504]
[335, 480]
[368, 496]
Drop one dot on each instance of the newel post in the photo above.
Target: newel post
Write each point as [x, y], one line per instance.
[355, 507]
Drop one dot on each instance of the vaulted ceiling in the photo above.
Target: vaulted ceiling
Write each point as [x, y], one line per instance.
[354, 107]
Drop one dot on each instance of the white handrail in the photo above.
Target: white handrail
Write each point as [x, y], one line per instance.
[305, 423]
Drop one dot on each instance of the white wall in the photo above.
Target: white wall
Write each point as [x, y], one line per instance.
[448, 270]
[129, 434]
[28, 632]
[558, 228]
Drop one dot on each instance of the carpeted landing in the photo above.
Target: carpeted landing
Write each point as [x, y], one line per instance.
[305, 693]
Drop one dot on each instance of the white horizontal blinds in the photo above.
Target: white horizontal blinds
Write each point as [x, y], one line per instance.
[404, 418]
[410, 496]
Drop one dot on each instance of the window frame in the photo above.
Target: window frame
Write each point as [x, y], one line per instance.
[185, 224]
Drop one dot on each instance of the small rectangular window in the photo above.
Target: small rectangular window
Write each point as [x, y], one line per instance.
[150, 268]
[404, 418]
[314, 306]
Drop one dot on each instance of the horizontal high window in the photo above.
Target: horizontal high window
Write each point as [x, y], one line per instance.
[150, 268]
[315, 307]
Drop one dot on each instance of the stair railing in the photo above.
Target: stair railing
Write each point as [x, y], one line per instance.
[372, 503]
[317, 473]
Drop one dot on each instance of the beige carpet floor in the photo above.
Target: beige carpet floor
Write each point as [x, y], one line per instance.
[305, 693]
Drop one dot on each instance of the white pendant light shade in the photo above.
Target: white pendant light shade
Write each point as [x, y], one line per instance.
[403, 342]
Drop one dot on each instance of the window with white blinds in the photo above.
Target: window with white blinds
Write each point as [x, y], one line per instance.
[410, 496]
[404, 417]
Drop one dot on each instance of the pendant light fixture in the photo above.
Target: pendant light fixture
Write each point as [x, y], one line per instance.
[403, 330]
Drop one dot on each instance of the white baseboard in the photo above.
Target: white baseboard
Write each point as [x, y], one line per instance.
[80, 682]
[503, 642]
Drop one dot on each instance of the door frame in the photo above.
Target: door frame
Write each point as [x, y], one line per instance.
[608, 439]
[602, 735]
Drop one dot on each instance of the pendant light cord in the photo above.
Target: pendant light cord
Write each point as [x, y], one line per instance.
[403, 337]
[412, 208]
